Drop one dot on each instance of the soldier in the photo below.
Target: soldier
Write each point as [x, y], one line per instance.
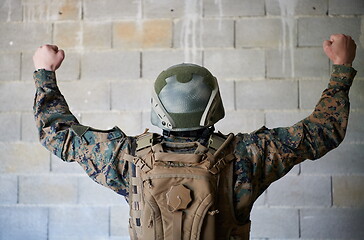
[190, 182]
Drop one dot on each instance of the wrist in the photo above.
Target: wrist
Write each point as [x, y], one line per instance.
[44, 70]
[343, 64]
[47, 68]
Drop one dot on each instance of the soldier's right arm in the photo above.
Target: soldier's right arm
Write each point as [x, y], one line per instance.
[98, 152]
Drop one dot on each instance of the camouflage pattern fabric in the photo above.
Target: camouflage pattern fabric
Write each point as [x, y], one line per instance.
[262, 156]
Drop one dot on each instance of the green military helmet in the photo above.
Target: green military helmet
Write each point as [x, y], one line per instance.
[186, 97]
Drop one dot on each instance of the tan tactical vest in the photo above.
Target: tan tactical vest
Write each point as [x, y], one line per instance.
[182, 195]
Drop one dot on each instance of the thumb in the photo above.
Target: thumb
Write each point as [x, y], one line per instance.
[60, 54]
[327, 47]
[326, 44]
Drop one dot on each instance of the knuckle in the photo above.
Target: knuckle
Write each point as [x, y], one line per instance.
[338, 35]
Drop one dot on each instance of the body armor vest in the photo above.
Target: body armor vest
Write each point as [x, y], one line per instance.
[182, 195]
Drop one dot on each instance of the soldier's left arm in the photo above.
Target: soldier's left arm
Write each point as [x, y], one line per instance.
[266, 155]
[273, 152]
[320, 132]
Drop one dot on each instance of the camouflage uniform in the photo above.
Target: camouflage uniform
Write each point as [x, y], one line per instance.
[262, 156]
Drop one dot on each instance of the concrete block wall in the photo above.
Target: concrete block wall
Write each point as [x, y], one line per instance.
[267, 56]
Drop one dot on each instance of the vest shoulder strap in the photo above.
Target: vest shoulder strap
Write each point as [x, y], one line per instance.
[216, 143]
[217, 146]
[146, 140]
[219, 142]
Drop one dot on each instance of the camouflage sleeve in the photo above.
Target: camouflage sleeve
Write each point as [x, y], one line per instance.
[96, 151]
[268, 154]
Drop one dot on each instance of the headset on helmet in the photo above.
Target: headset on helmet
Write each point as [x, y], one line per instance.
[186, 97]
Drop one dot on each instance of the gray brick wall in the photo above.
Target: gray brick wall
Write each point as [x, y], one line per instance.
[81, 221]
[24, 222]
[271, 68]
[236, 63]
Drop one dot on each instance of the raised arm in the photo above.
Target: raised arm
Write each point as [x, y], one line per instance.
[51, 112]
[60, 132]
[273, 152]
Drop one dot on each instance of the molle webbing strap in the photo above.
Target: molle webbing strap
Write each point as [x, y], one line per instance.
[177, 225]
[132, 233]
[147, 151]
[178, 198]
[134, 196]
[136, 165]
[218, 144]
[215, 142]
[219, 165]
[224, 144]
[138, 162]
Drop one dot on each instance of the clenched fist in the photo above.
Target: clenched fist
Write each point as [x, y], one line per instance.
[340, 49]
[48, 57]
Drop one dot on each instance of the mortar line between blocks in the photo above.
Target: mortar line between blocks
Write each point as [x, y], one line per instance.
[299, 224]
[202, 10]
[82, 9]
[299, 169]
[332, 191]
[141, 65]
[22, 13]
[265, 64]
[265, 9]
[234, 35]
[173, 33]
[298, 94]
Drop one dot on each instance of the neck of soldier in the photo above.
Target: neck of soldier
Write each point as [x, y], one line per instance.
[201, 135]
